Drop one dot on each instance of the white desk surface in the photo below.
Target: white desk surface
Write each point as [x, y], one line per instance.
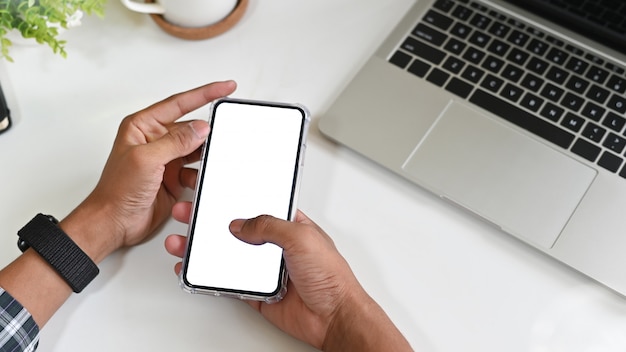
[450, 282]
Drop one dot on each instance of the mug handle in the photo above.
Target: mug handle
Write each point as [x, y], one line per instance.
[143, 7]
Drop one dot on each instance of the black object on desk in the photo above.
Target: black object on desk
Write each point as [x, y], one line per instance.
[5, 113]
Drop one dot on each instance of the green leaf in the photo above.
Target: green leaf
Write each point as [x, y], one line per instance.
[39, 19]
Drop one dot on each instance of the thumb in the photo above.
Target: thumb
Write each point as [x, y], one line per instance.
[181, 140]
[262, 229]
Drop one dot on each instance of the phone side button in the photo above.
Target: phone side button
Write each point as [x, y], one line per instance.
[303, 155]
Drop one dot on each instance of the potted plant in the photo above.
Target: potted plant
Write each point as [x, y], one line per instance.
[42, 20]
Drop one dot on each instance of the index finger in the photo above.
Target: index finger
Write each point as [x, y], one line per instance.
[171, 109]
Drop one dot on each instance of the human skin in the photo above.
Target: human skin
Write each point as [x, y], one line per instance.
[325, 305]
[143, 178]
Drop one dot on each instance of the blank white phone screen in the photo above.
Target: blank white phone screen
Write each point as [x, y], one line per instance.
[250, 170]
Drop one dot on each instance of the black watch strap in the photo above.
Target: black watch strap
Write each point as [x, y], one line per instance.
[44, 236]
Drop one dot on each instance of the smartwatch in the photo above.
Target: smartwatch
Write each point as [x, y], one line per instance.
[43, 235]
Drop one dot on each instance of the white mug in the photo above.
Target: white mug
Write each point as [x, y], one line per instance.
[186, 13]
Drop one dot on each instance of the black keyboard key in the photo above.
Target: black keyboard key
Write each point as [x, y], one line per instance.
[459, 87]
[535, 32]
[460, 30]
[574, 50]
[473, 74]
[537, 47]
[522, 118]
[614, 68]
[594, 132]
[511, 92]
[557, 75]
[552, 112]
[480, 21]
[453, 64]
[473, 55]
[577, 84]
[429, 34]
[593, 111]
[444, 5]
[586, 150]
[617, 83]
[537, 65]
[423, 50]
[553, 40]
[552, 92]
[419, 68]
[557, 56]
[400, 59]
[455, 46]
[572, 122]
[499, 29]
[517, 56]
[617, 103]
[531, 102]
[438, 20]
[479, 39]
[497, 15]
[461, 12]
[512, 73]
[438, 77]
[516, 23]
[615, 143]
[518, 38]
[614, 122]
[498, 47]
[594, 59]
[610, 161]
[597, 94]
[532, 82]
[479, 7]
[492, 83]
[572, 101]
[492, 64]
[597, 74]
[577, 65]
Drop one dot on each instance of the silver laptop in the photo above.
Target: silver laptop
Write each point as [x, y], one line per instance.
[506, 109]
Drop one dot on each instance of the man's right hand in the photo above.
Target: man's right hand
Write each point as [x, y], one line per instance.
[325, 305]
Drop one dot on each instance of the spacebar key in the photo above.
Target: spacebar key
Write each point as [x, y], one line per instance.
[522, 118]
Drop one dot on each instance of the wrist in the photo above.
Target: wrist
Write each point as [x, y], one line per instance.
[92, 229]
[360, 324]
[347, 321]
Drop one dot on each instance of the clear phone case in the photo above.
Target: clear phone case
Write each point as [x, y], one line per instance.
[282, 287]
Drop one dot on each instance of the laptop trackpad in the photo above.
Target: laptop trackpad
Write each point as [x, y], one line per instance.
[527, 188]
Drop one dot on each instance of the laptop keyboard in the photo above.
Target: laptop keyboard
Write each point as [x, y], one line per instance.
[554, 89]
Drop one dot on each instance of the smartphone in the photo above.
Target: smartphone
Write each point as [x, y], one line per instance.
[251, 165]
